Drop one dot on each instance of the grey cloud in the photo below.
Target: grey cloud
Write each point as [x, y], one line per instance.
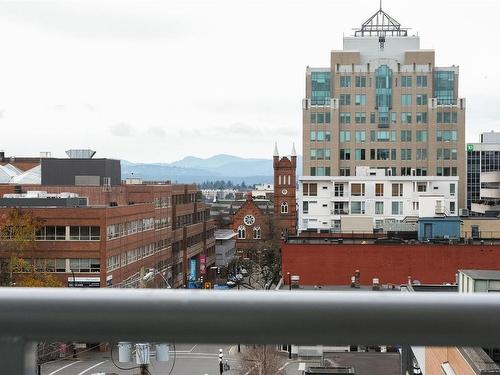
[156, 131]
[82, 19]
[288, 131]
[121, 129]
[237, 129]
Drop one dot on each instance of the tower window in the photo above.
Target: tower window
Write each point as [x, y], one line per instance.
[284, 208]
[256, 233]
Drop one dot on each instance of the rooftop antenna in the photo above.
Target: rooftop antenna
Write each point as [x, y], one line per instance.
[379, 24]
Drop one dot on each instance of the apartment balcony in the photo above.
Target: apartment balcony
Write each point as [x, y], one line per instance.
[340, 198]
[490, 177]
[459, 103]
[488, 193]
[340, 212]
[180, 316]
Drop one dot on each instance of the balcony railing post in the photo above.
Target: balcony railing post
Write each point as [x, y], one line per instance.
[17, 356]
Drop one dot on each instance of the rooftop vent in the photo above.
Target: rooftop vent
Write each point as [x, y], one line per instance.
[80, 154]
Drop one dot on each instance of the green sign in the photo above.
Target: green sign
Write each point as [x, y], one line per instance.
[470, 147]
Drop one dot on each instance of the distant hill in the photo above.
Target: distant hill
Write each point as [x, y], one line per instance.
[196, 170]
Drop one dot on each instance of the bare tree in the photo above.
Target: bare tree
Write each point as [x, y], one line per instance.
[262, 360]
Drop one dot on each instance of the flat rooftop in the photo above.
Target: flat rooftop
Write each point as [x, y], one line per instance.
[367, 363]
[343, 288]
[224, 234]
[482, 274]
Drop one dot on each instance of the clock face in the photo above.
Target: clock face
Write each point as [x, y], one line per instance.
[249, 219]
[284, 192]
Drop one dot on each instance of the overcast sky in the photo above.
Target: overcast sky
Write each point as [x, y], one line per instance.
[157, 81]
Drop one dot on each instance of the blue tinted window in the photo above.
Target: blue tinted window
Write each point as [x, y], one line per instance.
[383, 92]
[320, 83]
[444, 87]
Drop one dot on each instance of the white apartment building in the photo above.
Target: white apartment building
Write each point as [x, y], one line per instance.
[371, 199]
[263, 190]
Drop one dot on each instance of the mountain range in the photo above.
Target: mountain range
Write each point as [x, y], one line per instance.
[192, 169]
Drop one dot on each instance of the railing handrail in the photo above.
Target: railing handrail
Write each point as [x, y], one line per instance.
[299, 317]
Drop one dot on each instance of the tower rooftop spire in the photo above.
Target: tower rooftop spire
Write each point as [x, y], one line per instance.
[276, 153]
[294, 153]
[381, 24]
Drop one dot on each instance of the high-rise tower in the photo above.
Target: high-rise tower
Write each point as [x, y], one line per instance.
[383, 103]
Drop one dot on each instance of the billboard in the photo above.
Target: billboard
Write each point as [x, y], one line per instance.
[203, 264]
[192, 269]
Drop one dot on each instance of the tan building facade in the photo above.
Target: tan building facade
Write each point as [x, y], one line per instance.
[383, 103]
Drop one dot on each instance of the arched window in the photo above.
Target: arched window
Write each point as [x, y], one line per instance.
[242, 232]
[284, 208]
[256, 233]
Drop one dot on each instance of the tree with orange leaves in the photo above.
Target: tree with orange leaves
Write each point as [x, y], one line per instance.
[17, 240]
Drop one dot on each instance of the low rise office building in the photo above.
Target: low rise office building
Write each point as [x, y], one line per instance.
[483, 175]
[99, 232]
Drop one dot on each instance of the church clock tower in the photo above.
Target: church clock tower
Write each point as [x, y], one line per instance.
[285, 193]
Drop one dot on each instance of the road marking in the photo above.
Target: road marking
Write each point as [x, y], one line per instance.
[207, 354]
[91, 367]
[187, 351]
[62, 368]
[192, 357]
[283, 367]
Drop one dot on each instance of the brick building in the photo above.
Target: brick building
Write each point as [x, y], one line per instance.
[255, 224]
[320, 262]
[117, 232]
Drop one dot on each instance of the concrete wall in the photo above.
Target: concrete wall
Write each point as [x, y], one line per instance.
[63, 171]
[488, 227]
[435, 356]
[357, 224]
[332, 264]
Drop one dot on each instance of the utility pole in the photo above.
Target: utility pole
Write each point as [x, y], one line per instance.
[142, 285]
[289, 276]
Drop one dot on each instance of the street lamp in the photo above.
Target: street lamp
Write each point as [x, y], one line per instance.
[151, 274]
[73, 273]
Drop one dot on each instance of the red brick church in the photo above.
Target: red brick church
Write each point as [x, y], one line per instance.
[254, 224]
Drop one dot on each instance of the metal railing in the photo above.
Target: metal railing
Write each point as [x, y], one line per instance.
[254, 317]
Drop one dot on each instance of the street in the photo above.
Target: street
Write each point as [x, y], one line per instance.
[190, 359]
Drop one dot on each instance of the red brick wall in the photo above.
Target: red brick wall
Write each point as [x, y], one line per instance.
[285, 167]
[262, 220]
[332, 264]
